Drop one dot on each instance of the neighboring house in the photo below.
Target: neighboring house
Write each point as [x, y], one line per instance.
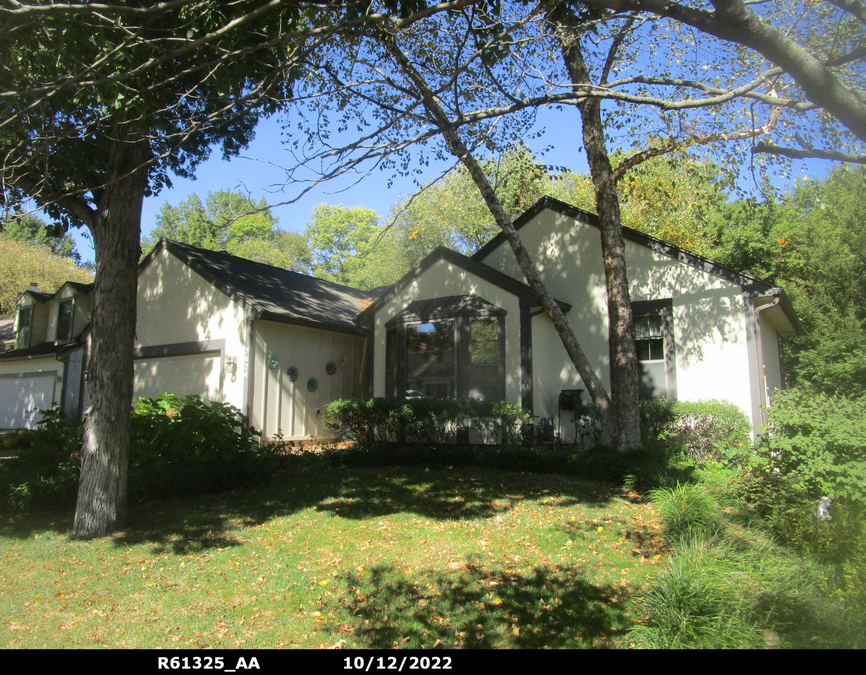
[464, 326]
[46, 365]
[281, 345]
[7, 335]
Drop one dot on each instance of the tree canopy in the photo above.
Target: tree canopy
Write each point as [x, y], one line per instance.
[232, 222]
[811, 241]
[23, 263]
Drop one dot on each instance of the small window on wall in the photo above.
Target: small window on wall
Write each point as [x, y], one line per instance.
[64, 322]
[649, 337]
[25, 314]
[655, 353]
[430, 360]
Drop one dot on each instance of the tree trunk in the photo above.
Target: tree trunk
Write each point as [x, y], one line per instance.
[116, 228]
[593, 384]
[624, 374]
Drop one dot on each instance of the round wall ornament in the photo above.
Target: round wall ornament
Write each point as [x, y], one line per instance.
[342, 362]
[330, 367]
[312, 384]
[292, 373]
[273, 362]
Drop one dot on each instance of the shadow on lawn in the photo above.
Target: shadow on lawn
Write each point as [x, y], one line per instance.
[206, 522]
[473, 607]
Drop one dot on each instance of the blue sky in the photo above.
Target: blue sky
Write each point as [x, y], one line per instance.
[256, 171]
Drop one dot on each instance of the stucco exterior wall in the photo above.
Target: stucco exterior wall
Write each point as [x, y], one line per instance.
[709, 323]
[443, 279]
[176, 306]
[290, 409]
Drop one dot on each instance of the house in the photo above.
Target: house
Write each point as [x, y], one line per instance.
[46, 363]
[464, 326]
[280, 345]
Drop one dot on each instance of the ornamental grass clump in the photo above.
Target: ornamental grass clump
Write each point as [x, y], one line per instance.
[686, 510]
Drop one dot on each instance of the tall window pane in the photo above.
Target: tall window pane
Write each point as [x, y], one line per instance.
[430, 359]
[64, 322]
[485, 371]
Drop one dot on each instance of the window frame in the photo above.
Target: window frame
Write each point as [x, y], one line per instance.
[70, 302]
[395, 337]
[662, 308]
[24, 329]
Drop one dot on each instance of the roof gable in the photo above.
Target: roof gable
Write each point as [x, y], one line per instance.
[497, 278]
[272, 293]
[656, 245]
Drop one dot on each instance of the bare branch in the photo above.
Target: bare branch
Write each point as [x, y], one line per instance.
[811, 153]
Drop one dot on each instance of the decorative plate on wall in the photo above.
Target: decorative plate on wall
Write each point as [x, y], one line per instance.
[312, 384]
[273, 362]
[330, 367]
[292, 373]
[342, 362]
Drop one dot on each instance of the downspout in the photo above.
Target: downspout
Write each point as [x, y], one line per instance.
[760, 348]
[250, 317]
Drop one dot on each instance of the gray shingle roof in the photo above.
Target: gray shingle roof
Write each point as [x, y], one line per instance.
[277, 294]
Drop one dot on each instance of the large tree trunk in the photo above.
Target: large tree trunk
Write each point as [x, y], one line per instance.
[594, 386]
[116, 227]
[624, 374]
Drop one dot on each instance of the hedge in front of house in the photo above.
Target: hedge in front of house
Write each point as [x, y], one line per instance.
[707, 430]
[369, 422]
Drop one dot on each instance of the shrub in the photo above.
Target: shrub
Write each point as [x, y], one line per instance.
[178, 446]
[707, 430]
[192, 430]
[427, 421]
[818, 442]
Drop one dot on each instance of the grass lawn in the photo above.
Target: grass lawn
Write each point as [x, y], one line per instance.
[365, 558]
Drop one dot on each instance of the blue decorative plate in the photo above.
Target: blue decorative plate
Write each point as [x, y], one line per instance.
[273, 362]
[312, 384]
[292, 373]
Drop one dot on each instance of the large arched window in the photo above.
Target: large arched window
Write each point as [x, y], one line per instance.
[446, 347]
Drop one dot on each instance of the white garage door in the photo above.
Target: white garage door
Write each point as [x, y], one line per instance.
[179, 375]
[21, 399]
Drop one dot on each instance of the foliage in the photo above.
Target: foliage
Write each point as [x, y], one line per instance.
[229, 221]
[727, 585]
[707, 430]
[818, 442]
[23, 263]
[428, 421]
[672, 198]
[687, 510]
[30, 228]
[168, 430]
[340, 238]
[179, 446]
[690, 605]
[811, 241]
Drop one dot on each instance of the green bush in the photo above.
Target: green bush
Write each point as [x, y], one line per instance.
[178, 446]
[427, 421]
[169, 430]
[818, 442]
[707, 430]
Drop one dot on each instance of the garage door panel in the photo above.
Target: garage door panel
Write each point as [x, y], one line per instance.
[21, 399]
[179, 375]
